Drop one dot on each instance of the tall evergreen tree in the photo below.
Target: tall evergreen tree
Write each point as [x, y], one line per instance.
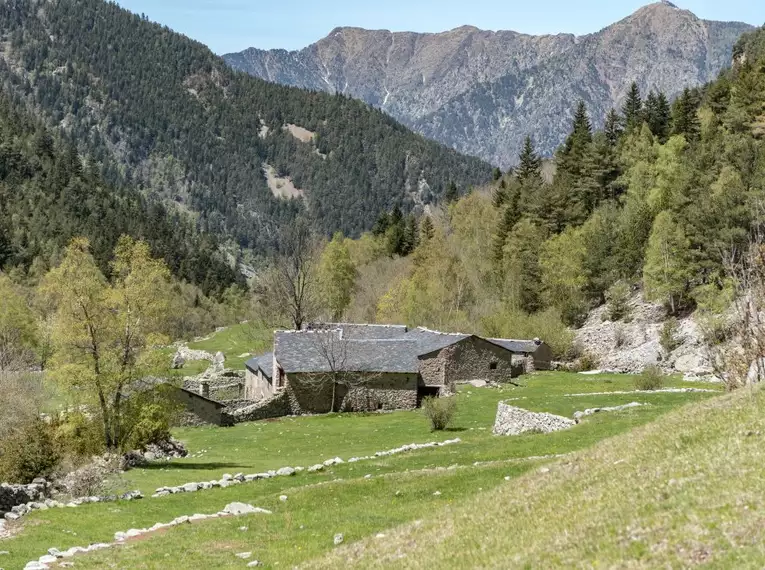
[658, 115]
[632, 110]
[529, 164]
[685, 120]
[613, 127]
[426, 229]
[451, 194]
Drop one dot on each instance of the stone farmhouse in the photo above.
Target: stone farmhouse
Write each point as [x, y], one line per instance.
[359, 367]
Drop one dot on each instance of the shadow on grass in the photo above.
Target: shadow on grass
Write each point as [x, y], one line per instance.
[200, 466]
[455, 429]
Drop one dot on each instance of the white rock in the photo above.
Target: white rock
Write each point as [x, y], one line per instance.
[190, 487]
[227, 477]
[133, 532]
[181, 520]
[253, 564]
[285, 471]
[244, 555]
[243, 509]
[339, 538]
[315, 468]
[282, 498]
[437, 494]
[47, 559]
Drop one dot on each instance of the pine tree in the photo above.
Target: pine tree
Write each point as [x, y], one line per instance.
[613, 127]
[411, 235]
[497, 174]
[451, 194]
[658, 115]
[632, 110]
[685, 120]
[382, 224]
[426, 229]
[499, 196]
[529, 165]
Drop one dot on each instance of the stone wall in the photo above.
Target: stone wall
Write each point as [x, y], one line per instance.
[226, 385]
[15, 495]
[257, 386]
[469, 360]
[515, 421]
[274, 407]
[207, 410]
[311, 393]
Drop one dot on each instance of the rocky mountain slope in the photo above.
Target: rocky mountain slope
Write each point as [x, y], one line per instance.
[481, 92]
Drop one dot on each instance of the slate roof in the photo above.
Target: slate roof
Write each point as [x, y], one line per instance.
[301, 351]
[364, 331]
[515, 346]
[370, 348]
[264, 363]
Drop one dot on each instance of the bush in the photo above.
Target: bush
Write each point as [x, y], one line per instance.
[27, 452]
[617, 301]
[669, 337]
[440, 411]
[652, 378]
[587, 361]
[620, 337]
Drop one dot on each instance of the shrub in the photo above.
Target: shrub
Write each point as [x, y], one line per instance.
[617, 301]
[440, 411]
[588, 361]
[652, 378]
[669, 337]
[620, 337]
[27, 452]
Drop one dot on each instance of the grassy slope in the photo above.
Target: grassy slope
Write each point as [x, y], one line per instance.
[302, 528]
[685, 490]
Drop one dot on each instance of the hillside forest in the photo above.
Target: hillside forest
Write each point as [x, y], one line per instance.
[665, 198]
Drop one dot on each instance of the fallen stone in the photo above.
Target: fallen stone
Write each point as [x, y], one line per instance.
[478, 383]
[339, 539]
[591, 411]
[253, 564]
[243, 509]
[282, 498]
[315, 468]
[244, 555]
[190, 487]
[285, 471]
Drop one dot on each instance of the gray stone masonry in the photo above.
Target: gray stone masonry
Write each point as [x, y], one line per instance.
[515, 421]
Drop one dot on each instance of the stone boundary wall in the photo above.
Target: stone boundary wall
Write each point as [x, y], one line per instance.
[275, 407]
[14, 495]
[515, 421]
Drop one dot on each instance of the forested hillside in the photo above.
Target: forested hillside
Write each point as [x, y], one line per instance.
[163, 113]
[48, 195]
[665, 198]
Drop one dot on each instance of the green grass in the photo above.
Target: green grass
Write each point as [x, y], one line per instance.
[686, 490]
[238, 343]
[302, 528]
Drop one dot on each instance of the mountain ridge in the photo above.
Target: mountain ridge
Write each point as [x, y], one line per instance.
[415, 77]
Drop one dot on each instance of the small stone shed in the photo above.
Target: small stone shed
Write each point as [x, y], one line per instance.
[354, 367]
[536, 354]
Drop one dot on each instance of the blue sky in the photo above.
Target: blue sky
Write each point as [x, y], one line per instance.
[233, 25]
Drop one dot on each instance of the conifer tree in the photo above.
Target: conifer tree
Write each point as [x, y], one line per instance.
[529, 162]
[509, 218]
[658, 115]
[451, 194]
[496, 174]
[632, 110]
[613, 127]
[426, 229]
[685, 120]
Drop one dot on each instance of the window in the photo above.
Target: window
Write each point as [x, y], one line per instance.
[493, 366]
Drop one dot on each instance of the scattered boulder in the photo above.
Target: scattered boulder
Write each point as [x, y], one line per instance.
[591, 411]
[286, 471]
[339, 538]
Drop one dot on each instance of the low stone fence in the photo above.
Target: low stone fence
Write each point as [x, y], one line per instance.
[226, 385]
[515, 421]
[14, 495]
[276, 406]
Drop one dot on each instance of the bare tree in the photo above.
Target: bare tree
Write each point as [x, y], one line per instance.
[737, 347]
[335, 348]
[292, 285]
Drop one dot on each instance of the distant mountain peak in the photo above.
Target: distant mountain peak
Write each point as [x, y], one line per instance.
[482, 92]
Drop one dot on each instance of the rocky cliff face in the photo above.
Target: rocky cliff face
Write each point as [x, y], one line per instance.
[481, 92]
